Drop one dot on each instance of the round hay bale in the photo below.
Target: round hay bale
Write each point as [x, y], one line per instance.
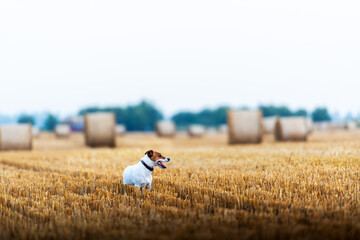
[269, 124]
[291, 129]
[245, 126]
[351, 125]
[62, 131]
[16, 137]
[120, 129]
[223, 129]
[100, 129]
[211, 131]
[165, 129]
[309, 125]
[336, 126]
[196, 130]
[35, 131]
[322, 126]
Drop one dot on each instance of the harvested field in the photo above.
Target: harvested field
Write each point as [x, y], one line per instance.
[210, 190]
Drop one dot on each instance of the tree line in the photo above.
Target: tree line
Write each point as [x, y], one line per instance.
[217, 116]
[140, 117]
[143, 116]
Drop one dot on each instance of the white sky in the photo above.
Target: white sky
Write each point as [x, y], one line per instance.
[63, 55]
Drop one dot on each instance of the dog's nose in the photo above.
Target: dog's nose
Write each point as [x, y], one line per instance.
[169, 159]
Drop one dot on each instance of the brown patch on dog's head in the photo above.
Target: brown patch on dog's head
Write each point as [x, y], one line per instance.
[150, 153]
[154, 156]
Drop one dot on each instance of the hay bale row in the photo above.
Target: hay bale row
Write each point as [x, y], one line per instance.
[328, 126]
[223, 129]
[62, 131]
[196, 130]
[351, 125]
[291, 129]
[309, 125]
[269, 124]
[211, 131]
[120, 129]
[16, 137]
[165, 129]
[35, 132]
[322, 126]
[245, 126]
[100, 129]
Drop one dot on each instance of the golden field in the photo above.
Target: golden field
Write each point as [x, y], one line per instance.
[210, 190]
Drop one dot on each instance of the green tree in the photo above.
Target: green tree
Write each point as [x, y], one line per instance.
[269, 111]
[90, 110]
[301, 113]
[183, 119]
[140, 117]
[207, 117]
[221, 115]
[320, 114]
[50, 122]
[26, 119]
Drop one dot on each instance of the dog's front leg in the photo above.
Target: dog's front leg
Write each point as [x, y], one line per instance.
[148, 186]
[142, 186]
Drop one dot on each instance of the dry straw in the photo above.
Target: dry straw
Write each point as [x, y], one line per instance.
[209, 191]
[16, 137]
[269, 124]
[245, 126]
[100, 129]
[62, 131]
[165, 129]
[196, 130]
[291, 129]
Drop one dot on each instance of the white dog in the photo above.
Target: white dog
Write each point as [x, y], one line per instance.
[140, 174]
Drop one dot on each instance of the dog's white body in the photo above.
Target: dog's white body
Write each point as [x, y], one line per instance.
[138, 175]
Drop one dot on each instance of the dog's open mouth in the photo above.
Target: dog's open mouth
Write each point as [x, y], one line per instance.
[161, 164]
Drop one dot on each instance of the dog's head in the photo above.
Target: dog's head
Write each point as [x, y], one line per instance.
[157, 158]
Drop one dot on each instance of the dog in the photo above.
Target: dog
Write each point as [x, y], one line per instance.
[140, 174]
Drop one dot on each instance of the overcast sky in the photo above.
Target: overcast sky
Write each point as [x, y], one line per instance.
[181, 55]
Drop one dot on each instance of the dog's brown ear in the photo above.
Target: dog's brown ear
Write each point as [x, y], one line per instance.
[149, 153]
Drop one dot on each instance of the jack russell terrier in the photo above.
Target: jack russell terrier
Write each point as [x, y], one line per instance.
[140, 174]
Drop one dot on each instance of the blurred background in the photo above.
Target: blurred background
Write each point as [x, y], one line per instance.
[188, 61]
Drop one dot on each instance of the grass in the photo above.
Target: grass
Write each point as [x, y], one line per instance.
[63, 190]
